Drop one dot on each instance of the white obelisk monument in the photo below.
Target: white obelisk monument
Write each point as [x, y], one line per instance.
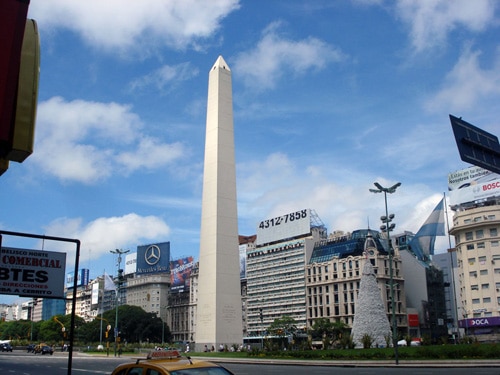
[219, 311]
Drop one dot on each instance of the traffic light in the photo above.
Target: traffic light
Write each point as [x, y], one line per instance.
[120, 277]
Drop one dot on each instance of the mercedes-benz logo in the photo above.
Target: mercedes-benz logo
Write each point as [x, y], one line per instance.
[152, 255]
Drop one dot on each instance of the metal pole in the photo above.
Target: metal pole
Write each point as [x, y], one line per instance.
[119, 252]
[391, 284]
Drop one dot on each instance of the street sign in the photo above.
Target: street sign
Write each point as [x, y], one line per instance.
[475, 145]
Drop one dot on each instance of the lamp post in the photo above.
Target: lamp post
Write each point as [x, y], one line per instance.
[119, 283]
[388, 227]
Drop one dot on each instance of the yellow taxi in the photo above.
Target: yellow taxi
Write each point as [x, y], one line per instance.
[164, 362]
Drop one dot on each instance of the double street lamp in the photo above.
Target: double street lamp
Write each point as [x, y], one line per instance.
[387, 227]
[119, 283]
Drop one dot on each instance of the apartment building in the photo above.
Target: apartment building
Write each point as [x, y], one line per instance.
[333, 276]
[476, 229]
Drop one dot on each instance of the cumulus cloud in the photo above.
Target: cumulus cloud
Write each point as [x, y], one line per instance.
[431, 21]
[107, 233]
[89, 141]
[275, 56]
[114, 24]
[339, 195]
[466, 84]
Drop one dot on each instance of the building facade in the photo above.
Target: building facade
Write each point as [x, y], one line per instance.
[476, 230]
[334, 274]
[276, 282]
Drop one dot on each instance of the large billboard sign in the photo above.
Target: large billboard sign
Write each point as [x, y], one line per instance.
[472, 184]
[243, 261]
[82, 278]
[153, 258]
[290, 225]
[180, 271]
[130, 263]
[32, 273]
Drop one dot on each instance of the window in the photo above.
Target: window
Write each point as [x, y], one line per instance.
[470, 247]
[474, 287]
[483, 272]
[468, 236]
[494, 243]
[482, 260]
[485, 286]
[467, 221]
[475, 301]
[486, 300]
[480, 245]
[493, 232]
[471, 261]
[479, 234]
[477, 218]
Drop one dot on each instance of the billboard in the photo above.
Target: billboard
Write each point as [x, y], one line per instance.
[82, 278]
[243, 261]
[472, 184]
[154, 258]
[130, 263]
[32, 273]
[290, 225]
[95, 294]
[180, 271]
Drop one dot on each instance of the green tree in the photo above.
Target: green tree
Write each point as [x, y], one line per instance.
[328, 332]
[137, 325]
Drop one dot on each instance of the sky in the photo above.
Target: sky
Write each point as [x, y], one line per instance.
[329, 97]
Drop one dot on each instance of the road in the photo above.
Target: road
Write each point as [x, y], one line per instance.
[22, 363]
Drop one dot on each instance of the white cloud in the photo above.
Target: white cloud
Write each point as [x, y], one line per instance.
[108, 233]
[276, 56]
[128, 25]
[165, 76]
[337, 193]
[430, 21]
[86, 141]
[467, 84]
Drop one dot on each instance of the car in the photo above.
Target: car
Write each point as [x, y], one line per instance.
[47, 350]
[5, 347]
[31, 348]
[163, 362]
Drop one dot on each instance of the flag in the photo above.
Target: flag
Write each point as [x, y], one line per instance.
[109, 284]
[422, 243]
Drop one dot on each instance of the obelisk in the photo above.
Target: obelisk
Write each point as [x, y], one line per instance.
[219, 311]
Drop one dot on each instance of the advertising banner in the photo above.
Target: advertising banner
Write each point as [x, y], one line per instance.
[130, 263]
[82, 278]
[153, 258]
[32, 273]
[95, 294]
[290, 225]
[472, 184]
[243, 261]
[180, 271]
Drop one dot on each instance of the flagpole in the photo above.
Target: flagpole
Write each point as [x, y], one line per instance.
[455, 321]
[102, 303]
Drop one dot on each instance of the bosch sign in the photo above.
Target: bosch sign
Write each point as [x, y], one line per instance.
[494, 185]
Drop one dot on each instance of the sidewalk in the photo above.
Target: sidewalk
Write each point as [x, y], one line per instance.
[368, 363]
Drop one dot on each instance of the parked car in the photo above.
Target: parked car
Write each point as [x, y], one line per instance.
[163, 362]
[6, 347]
[47, 350]
[31, 348]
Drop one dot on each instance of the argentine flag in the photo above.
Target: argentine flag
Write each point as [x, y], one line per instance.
[422, 244]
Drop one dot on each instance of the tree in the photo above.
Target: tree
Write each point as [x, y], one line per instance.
[329, 332]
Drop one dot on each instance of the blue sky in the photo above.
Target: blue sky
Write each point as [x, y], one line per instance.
[329, 97]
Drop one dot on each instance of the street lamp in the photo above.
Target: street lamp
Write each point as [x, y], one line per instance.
[119, 276]
[387, 227]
